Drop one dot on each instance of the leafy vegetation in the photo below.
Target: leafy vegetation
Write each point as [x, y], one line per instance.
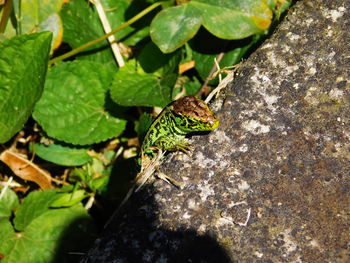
[74, 107]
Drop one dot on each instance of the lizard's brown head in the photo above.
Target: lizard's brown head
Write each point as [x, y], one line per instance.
[194, 114]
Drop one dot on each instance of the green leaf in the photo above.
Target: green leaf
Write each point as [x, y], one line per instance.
[136, 36]
[234, 19]
[7, 238]
[152, 60]
[62, 155]
[230, 19]
[99, 184]
[8, 203]
[53, 23]
[34, 205]
[33, 15]
[34, 12]
[81, 25]
[69, 199]
[79, 175]
[55, 232]
[174, 26]
[23, 65]
[133, 87]
[192, 87]
[143, 124]
[73, 106]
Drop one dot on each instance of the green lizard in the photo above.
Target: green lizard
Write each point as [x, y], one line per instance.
[167, 133]
[179, 118]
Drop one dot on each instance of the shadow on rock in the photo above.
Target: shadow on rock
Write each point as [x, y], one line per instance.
[135, 235]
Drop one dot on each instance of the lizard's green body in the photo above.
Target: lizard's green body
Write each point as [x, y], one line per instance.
[179, 118]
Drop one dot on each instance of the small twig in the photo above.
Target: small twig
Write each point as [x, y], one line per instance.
[90, 202]
[12, 184]
[221, 85]
[245, 223]
[211, 73]
[146, 173]
[6, 185]
[107, 28]
[249, 210]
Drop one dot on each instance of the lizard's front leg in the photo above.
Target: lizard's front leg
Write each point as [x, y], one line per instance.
[170, 144]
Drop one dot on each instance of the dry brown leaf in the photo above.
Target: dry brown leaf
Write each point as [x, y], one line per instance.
[26, 170]
[133, 142]
[187, 66]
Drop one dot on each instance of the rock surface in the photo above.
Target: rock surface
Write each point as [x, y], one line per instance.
[272, 183]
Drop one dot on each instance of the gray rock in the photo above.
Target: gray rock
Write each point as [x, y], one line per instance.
[272, 183]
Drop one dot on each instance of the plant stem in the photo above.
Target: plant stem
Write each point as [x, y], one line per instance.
[5, 15]
[107, 28]
[93, 42]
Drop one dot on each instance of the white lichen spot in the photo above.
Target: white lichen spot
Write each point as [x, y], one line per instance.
[186, 215]
[276, 61]
[290, 69]
[224, 162]
[329, 32]
[264, 86]
[232, 173]
[258, 254]
[296, 86]
[221, 137]
[243, 186]
[293, 37]
[286, 49]
[289, 244]
[281, 128]
[202, 228]
[191, 204]
[210, 174]
[267, 46]
[309, 21]
[311, 97]
[310, 61]
[271, 99]
[255, 127]
[223, 221]
[336, 93]
[243, 148]
[202, 161]
[331, 55]
[312, 71]
[314, 243]
[266, 79]
[176, 208]
[334, 14]
[339, 79]
[206, 191]
[157, 197]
